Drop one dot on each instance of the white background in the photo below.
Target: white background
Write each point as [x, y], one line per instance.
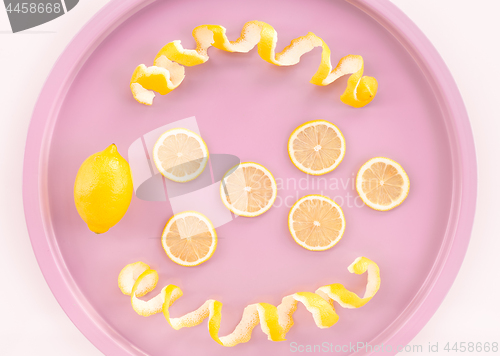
[465, 33]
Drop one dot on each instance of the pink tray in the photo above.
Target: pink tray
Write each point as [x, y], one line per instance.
[248, 108]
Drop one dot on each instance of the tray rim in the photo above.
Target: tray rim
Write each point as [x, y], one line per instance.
[464, 165]
[456, 238]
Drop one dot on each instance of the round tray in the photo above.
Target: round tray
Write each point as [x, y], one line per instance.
[247, 108]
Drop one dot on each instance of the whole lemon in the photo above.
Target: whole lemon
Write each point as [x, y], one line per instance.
[103, 189]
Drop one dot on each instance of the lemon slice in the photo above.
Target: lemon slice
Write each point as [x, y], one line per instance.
[248, 189]
[180, 155]
[382, 183]
[189, 238]
[316, 222]
[316, 147]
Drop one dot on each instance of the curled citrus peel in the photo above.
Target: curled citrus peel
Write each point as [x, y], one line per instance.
[137, 279]
[167, 72]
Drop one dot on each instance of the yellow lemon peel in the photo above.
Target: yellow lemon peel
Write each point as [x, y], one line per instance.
[275, 321]
[167, 72]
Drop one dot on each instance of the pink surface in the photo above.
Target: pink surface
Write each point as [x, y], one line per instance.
[248, 108]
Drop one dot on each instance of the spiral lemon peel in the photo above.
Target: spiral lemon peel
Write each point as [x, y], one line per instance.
[167, 73]
[137, 279]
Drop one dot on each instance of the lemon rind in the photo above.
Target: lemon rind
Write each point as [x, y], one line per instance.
[275, 321]
[360, 89]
